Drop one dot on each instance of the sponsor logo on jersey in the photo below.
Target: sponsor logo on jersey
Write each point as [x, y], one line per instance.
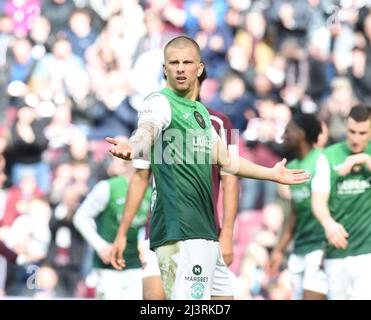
[197, 270]
[200, 120]
[198, 279]
[353, 186]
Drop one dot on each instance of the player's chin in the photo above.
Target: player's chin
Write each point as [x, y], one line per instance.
[182, 86]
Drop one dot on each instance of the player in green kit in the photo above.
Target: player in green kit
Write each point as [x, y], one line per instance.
[175, 131]
[342, 203]
[152, 283]
[98, 219]
[308, 280]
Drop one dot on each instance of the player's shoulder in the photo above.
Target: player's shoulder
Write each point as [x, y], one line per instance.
[154, 96]
[217, 115]
[334, 148]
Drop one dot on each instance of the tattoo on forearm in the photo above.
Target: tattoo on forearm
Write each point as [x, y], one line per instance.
[144, 137]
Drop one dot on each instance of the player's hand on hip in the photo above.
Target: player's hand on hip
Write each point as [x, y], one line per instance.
[120, 149]
[117, 258]
[336, 234]
[288, 176]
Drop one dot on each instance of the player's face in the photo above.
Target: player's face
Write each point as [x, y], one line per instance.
[182, 68]
[292, 136]
[358, 134]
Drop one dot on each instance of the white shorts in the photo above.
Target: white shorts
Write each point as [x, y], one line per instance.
[349, 278]
[119, 285]
[307, 274]
[193, 269]
[150, 263]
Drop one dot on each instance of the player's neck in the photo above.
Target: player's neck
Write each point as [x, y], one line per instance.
[189, 94]
[303, 150]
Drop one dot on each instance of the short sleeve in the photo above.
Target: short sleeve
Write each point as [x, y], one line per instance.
[156, 109]
[141, 164]
[321, 179]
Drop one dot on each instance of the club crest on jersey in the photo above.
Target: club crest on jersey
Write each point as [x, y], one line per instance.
[197, 290]
[200, 119]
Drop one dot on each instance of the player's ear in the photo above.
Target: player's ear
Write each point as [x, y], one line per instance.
[164, 69]
[201, 67]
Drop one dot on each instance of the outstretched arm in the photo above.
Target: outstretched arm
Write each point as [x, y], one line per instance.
[139, 143]
[137, 189]
[233, 163]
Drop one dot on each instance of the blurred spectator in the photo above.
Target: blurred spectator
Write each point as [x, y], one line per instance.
[236, 11]
[232, 100]
[214, 42]
[52, 70]
[250, 49]
[150, 64]
[29, 235]
[58, 13]
[84, 102]
[195, 14]
[67, 248]
[172, 13]
[21, 66]
[252, 272]
[40, 37]
[26, 148]
[109, 62]
[17, 199]
[155, 36]
[6, 25]
[60, 131]
[290, 20]
[297, 72]
[80, 32]
[263, 138]
[336, 108]
[360, 72]
[62, 178]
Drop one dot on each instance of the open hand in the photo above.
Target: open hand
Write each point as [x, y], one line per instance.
[289, 176]
[120, 149]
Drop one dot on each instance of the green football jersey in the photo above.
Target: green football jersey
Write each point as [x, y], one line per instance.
[108, 222]
[309, 234]
[181, 165]
[350, 201]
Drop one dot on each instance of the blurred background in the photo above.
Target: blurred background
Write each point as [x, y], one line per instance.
[75, 71]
